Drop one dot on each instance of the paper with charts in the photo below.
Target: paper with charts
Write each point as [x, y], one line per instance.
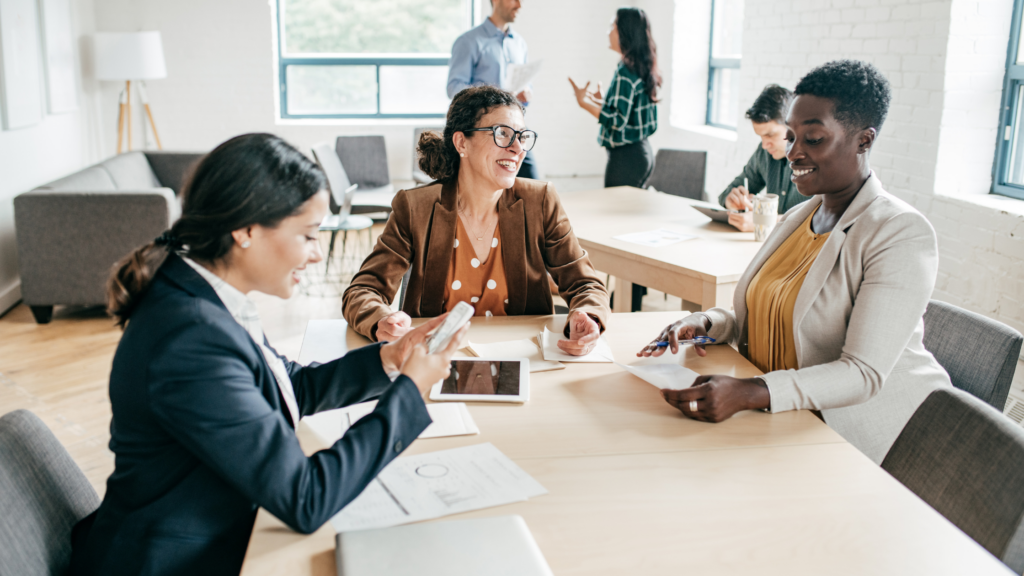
[601, 353]
[665, 371]
[425, 486]
[449, 419]
[655, 238]
[515, 349]
[518, 76]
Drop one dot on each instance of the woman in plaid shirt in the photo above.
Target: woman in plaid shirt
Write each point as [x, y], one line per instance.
[627, 114]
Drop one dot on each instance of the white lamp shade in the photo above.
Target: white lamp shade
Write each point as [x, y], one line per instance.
[129, 56]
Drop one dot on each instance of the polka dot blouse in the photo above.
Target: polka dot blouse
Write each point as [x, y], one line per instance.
[481, 284]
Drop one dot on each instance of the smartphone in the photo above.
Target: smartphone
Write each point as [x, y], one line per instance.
[456, 319]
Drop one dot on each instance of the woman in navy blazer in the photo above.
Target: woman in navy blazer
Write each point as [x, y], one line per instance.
[204, 411]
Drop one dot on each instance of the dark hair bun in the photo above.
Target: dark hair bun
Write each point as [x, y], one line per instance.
[432, 159]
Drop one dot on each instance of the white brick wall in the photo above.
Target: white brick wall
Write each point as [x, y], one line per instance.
[945, 61]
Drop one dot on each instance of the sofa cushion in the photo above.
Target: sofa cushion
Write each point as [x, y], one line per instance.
[92, 179]
[131, 171]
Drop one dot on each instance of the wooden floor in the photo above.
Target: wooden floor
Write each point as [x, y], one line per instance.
[60, 370]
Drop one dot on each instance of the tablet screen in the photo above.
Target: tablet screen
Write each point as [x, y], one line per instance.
[482, 377]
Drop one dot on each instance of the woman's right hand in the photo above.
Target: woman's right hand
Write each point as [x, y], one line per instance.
[425, 369]
[393, 326]
[685, 329]
[581, 92]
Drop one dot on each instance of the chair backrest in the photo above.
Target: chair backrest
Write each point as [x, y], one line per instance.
[979, 354]
[365, 159]
[966, 460]
[679, 172]
[337, 179]
[42, 495]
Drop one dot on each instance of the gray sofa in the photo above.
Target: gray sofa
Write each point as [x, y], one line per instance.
[71, 231]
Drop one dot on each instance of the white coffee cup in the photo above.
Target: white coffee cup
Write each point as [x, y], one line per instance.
[766, 214]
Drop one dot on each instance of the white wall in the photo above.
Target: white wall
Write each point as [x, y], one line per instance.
[945, 61]
[31, 156]
[221, 79]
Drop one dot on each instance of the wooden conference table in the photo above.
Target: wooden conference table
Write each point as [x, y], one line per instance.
[702, 271]
[636, 488]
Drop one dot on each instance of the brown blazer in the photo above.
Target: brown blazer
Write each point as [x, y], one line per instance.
[536, 238]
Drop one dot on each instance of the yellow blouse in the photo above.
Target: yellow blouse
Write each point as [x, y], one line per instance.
[772, 294]
[482, 284]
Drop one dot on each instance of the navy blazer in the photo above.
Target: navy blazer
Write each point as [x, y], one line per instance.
[202, 438]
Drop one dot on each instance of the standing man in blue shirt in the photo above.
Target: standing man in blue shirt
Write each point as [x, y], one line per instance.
[481, 56]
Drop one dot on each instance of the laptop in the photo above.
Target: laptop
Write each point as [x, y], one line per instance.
[496, 546]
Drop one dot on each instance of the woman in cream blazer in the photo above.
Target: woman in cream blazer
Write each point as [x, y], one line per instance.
[856, 321]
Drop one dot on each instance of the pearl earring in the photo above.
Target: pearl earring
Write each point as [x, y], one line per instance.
[246, 244]
[462, 155]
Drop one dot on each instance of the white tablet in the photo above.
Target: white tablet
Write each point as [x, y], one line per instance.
[485, 380]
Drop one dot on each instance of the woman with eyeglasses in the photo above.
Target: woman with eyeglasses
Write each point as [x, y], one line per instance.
[478, 234]
[627, 114]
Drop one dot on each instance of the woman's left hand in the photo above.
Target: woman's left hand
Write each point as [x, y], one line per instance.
[583, 334]
[581, 92]
[717, 398]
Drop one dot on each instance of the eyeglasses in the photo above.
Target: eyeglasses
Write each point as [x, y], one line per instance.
[504, 136]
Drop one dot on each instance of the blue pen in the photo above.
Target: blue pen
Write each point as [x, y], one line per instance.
[698, 340]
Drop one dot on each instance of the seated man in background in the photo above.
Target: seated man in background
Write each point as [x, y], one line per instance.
[767, 168]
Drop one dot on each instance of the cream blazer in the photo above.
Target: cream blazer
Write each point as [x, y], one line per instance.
[858, 320]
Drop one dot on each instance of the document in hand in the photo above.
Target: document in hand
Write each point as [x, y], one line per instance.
[496, 546]
[515, 349]
[451, 419]
[425, 486]
[518, 76]
[665, 372]
[549, 341]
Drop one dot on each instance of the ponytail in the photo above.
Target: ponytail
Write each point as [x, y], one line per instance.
[132, 275]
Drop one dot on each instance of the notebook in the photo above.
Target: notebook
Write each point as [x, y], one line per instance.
[496, 546]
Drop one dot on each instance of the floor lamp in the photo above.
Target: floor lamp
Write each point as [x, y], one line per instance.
[124, 57]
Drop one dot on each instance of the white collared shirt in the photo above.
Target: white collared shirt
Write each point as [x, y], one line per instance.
[243, 310]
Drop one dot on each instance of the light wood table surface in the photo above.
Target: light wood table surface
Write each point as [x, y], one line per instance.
[635, 488]
[702, 271]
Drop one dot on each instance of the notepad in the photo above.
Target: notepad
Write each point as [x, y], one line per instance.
[515, 349]
[450, 419]
[654, 238]
[497, 546]
[601, 353]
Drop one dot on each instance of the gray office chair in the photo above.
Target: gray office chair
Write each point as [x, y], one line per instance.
[979, 354]
[679, 172]
[343, 193]
[366, 163]
[966, 460]
[418, 175]
[43, 495]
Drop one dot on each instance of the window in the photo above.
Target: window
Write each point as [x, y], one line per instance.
[367, 59]
[1009, 173]
[724, 63]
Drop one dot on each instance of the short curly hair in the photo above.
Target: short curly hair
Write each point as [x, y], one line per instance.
[438, 157]
[860, 93]
[771, 105]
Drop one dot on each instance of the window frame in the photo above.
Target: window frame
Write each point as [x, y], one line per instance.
[1009, 114]
[713, 65]
[376, 60]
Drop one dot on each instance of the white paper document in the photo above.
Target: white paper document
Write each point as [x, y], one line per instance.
[414, 488]
[519, 76]
[450, 419]
[655, 238]
[515, 349]
[664, 376]
[549, 340]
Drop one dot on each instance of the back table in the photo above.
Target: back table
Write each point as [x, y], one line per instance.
[636, 488]
[703, 271]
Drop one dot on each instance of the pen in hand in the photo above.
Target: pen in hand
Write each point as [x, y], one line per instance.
[698, 340]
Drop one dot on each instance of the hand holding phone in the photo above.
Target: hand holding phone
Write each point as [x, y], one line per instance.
[456, 319]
